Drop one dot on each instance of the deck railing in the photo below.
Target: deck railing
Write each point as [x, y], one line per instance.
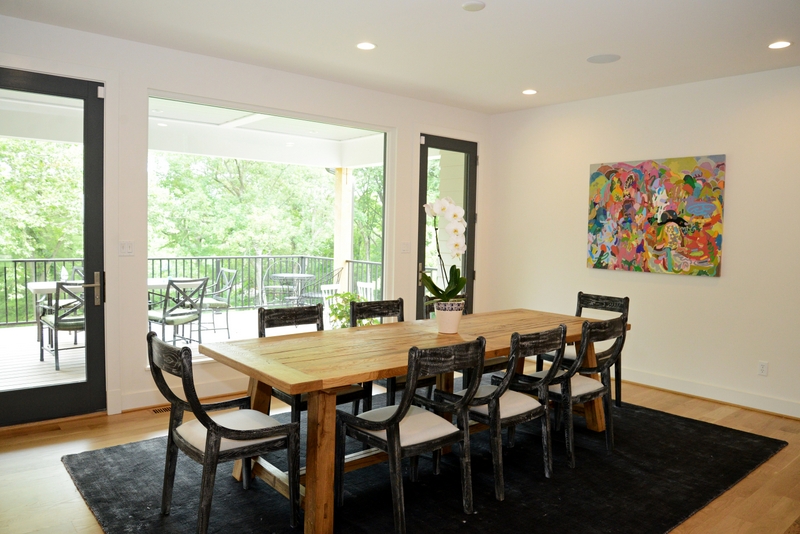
[19, 304]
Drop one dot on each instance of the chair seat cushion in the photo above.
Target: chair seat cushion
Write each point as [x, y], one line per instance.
[65, 323]
[211, 302]
[511, 403]
[195, 433]
[581, 385]
[175, 318]
[418, 426]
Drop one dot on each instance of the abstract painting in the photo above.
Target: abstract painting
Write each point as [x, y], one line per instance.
[657, 216]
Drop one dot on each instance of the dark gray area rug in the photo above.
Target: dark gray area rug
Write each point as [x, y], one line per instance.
[664, 468]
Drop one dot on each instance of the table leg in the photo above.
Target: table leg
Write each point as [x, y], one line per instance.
[593, 410]
[320, 462]
[260, 398]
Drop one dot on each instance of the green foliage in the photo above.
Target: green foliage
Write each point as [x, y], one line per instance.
[339, 306]
[368, 202]
[41, 208]
[450, 293]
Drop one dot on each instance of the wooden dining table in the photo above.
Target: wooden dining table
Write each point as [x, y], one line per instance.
[318, 363]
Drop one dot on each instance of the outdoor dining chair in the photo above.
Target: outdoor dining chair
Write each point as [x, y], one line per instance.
[240, 434]
[66, 313]
[182, 305]
[307, 315]
[218, 298]
[406, 430]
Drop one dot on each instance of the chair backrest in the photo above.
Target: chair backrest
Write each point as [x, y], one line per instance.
[328, 290]
[68, 305]
[613, 330]
[184, 295]
[376, 309]
[366, 290]
[295, 316]
[602, 302]
[165, 358]
[524, 346]
[77, 272]
[224, 284]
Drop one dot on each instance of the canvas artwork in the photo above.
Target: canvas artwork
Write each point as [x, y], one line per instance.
[658, 216]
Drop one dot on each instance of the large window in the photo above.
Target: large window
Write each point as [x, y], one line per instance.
[293, 207]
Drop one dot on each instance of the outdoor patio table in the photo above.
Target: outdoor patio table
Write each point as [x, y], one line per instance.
[293, 281]
[318, 363]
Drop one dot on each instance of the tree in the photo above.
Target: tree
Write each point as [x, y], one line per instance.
[368, 203]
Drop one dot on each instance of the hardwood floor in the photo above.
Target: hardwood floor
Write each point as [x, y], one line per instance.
[37, 494]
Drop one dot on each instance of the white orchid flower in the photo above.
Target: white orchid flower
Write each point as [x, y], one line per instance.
[454, 213]
[429, 209]
[455, 229]
[441, 206]
[457, 246]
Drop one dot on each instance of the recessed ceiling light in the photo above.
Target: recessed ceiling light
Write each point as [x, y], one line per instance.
[365, 46]
[779, 44]
[156, 111]
[604, 58]
[473, 5]
[290, 144]
[529, 92]
[162, 124]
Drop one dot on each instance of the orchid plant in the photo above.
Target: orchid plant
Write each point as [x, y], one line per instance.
[447, 211]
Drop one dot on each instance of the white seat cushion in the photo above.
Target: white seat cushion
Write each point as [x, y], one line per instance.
[581, 385]
[418, 426]
[195, 433]
[511, 403]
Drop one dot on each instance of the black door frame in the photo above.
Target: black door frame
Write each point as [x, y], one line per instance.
[470, 151]
[51, 402]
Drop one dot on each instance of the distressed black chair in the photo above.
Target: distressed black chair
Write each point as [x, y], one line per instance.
[66, 314]
[404, 430]
[605, 304]
[383, 309]
[218, 298]
[234, 435]
[308, 315]
[182, 305]
[576, 387]
[499, 407]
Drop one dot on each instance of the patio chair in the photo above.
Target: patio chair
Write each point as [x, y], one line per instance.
[312, 292]
[241, 434]
[67, 313]
[182, 305]
[307, 315]
[383, 309]
[366, 290]
[406, 431]
[218, 299]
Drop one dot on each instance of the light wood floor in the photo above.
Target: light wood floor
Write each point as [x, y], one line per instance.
[37, 494]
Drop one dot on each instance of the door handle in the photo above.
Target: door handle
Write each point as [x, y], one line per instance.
[97, 286]
[419, 275]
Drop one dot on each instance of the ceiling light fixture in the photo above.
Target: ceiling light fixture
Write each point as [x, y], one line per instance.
[161, 124]
[603, 58]
[529, 92]
[779, 44]
[473, 5]
[365, 46]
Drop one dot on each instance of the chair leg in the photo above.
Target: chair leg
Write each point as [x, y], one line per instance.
[396, 478]
[566, 405]
[41, 344]
[246, 472]
[207, 484]
[55, 348]
[295, 408]
[356, 404]
[169, 475]
[466, 469]
[496, 441]
[547, 446]
[539, 363]
[339, 467]
[368, 395]
[413, 471]
[391, 390]
[512, 434]
[608, 404]
[293, 457]
[618, 381]
[437, 457]
[429, 392]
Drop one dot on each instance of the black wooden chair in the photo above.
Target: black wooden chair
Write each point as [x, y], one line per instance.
[308, 315]
[383, 309]
[404, 430]
[605, 304]
[218, 298]
[499, 407]
[234, 435]
[576, 387]
[182, 305]
[66, 313]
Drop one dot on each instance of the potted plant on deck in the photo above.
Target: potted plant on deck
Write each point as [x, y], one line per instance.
[448, 302]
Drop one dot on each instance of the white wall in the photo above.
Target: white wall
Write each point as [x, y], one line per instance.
[696, 335]
[134, 71]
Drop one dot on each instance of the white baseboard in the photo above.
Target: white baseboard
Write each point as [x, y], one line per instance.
[708, 391]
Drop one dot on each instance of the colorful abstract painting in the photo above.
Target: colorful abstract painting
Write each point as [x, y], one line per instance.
[657, 216]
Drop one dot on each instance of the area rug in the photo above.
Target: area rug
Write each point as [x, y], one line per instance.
[664, 469]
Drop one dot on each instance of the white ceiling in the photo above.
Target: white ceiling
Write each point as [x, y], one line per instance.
[433, 50]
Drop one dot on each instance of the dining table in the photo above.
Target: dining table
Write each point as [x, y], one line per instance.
[319, 363]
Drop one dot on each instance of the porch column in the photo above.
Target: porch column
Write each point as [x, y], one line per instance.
[343, 225]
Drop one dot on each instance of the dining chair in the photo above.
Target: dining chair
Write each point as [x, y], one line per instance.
[182, 305]
[308, 315]
[66, 314]
[406, 431]
[618, 305]
[240, 434]
[498, 407]
[386, 309]
[576, 386]
[218, 298]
